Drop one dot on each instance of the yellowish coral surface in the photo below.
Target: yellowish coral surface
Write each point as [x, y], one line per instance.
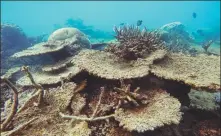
[202, 71]
[109, 66]
[161, 110]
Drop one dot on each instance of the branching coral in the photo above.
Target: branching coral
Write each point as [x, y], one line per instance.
[134, 43]
[125, 95]
[37, 86]
[92, 118]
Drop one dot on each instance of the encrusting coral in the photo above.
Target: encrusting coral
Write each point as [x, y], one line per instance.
[162, 109]
[134, 43]
[202, 71]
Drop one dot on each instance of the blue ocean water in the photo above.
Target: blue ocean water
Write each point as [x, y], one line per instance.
[36, 18]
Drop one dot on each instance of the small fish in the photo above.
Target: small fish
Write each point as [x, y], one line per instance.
[139, 22]
[122, 24]
[194, 15]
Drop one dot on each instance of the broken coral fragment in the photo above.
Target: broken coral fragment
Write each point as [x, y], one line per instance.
[202, 71]
[161, 110]
[45, 78]
[203, 100]
[109, 66]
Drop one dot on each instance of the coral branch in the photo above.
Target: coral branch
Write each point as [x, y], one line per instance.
[14, 106]
[134, 43]
[99, 103]
[86, 119]
[19, 128]
[37, 86]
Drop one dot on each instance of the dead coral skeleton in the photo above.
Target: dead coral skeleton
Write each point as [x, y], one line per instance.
[134, 43]
[14, 108]
[37, 86]
[126, 95]
[93, 117]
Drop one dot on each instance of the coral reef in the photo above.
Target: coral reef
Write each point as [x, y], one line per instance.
[134, 43]
[202, 71]
[13, 40]
[203, 100]
[176, 37]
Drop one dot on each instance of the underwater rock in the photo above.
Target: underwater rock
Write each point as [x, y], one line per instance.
[161, 110]
[109, 66]
[203, 100]
[202, 71]
[68, 39]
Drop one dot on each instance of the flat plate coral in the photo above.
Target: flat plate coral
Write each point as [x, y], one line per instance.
[45, 78]
[202, 71]
[161, 110]
[109, 66]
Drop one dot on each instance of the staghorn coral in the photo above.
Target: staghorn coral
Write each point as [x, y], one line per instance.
[109, 66]
[203, 100]
[134, 43]
[202, 71]
[162, 109]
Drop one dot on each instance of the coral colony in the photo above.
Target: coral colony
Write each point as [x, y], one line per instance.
[138, 85]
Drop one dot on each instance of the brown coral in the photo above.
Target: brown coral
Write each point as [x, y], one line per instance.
[134, 43]
[161, 110]
[202, 71]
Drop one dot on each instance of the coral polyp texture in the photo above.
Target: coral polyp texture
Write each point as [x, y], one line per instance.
[69, 39]
[202, 71]
[161, 110]
[110, 66]
[134, 43]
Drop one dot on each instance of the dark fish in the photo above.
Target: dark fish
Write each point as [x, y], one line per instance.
[194, 15]
[139, 22]
[122, 24]
[200, 32]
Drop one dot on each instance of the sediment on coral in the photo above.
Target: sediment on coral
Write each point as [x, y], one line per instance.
[134, 43]
[201, 72]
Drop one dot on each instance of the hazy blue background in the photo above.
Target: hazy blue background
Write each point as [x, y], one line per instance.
[36, 18]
